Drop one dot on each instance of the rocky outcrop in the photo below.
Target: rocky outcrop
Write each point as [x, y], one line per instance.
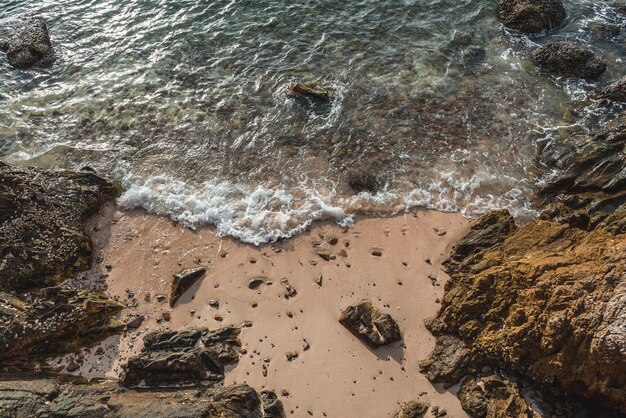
[173, 359]
[47, 398]
[370, 325]
[53, 321]
[183, 281]
[531, 16]
[615, 92]
[493, 397]
[42, 241]
[547, 300]
[26, 42]
[568, 59]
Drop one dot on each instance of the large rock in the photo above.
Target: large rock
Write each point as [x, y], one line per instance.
[568, 59]
[492, 397]
[531, 16]
[45, 398]
[42, 241]
[370, 325]
[413, 409]
[174, 358]
[26, 42]
[549, 303]
[53, 321]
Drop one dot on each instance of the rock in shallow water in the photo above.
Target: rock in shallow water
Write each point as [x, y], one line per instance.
[26, 42]
[568, 59]
[531, 16]
[370, 325]
[615, 92]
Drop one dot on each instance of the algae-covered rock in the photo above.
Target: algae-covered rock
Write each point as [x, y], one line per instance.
[531, 16]
[413, 409]
[42, 240]
[26, 42]
[568, 59]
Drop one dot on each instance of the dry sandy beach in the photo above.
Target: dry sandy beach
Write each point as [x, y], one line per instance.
[334, 373]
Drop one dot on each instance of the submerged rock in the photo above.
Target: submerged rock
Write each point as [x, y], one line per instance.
[362, 181]
[568, 59]
[183, 281]
[312, 90]
[26, 42]
[531, 16]
[615, 92]
[45, 398]
[492, 397]
[370, 325]
[42, 241]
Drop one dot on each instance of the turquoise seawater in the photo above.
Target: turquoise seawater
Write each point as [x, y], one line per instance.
[185, 103]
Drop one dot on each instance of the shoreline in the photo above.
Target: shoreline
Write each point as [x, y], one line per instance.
[139, 253]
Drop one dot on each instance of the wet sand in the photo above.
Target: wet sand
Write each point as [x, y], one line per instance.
[335, 374]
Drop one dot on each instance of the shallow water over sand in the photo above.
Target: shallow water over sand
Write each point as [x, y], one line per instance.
[185, 102]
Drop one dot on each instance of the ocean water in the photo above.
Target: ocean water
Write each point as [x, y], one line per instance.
[186, 104]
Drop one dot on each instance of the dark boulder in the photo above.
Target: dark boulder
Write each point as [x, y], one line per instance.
[492, 396]
[26, 42]
[604, 30]
[448, 362]
[361, 180]
[42, 241]
[370, 325]
[183, 281]
[175, 369]
[568, 59]
[172, 358]
[531, 16]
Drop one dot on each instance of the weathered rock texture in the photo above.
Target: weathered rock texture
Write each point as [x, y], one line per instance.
[42, 241]
[568, 59]
[26, 42]
[54, 321]
[413, 409]
[615, 92]
[531, 16]
[46, 398]
[370, 325]
[493, 397]
[547, 300]
[173, 359]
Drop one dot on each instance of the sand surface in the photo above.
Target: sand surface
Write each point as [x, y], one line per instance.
[337, 375]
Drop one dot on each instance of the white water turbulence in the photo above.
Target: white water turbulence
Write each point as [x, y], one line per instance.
[185, 103]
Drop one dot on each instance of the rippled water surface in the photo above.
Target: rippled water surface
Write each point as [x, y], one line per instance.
[185, 102]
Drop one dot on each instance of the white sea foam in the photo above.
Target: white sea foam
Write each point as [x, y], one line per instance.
[257, 214]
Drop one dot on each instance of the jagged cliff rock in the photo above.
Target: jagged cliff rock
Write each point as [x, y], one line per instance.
[24, 398]
[546, 300]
